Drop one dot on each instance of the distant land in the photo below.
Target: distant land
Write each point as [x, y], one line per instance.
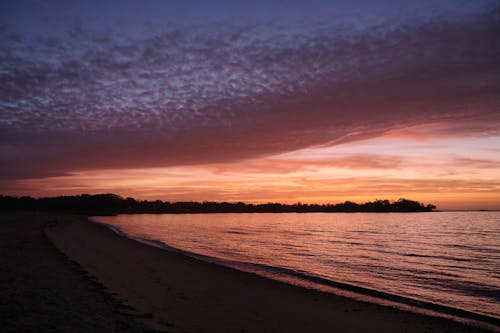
[111, 204]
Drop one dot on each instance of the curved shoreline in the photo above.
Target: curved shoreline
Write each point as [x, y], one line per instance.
[166, 283]
[42, 290]
[312, 281]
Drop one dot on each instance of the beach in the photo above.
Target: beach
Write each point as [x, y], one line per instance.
[95, 280]
[41, 290]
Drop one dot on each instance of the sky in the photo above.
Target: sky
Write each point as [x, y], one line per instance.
[283, 101]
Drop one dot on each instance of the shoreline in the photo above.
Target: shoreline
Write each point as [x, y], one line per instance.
[329, 286]
[193, 295]
[42, 290]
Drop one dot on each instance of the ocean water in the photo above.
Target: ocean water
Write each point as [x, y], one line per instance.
[446, 260]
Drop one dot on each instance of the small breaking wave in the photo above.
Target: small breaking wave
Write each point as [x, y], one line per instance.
[306, 279]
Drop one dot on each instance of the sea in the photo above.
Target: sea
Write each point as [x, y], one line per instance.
[447, 262]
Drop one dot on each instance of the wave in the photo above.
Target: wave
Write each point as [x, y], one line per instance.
[436, 257]
[306, 279]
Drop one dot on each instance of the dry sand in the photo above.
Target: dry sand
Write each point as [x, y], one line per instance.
[183, 294]
[42, 291]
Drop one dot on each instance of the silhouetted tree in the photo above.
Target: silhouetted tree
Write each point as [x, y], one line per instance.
[110, 203]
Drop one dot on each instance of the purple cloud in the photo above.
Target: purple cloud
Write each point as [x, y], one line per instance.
[222, 92]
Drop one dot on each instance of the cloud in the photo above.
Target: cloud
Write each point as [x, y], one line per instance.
[218, 92]
[277, 165]
[188, 184]
[477, 163]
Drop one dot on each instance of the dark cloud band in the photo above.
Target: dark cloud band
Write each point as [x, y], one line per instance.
[220, 92]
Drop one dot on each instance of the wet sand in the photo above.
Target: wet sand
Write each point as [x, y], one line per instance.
[43, 291]
[182, 294]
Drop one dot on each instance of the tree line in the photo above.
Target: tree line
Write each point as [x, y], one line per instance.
[109, 204]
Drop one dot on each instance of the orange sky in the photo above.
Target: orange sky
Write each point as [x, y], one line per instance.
[453, 173]
[325, 102]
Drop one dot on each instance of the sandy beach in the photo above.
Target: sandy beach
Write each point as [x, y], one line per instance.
[41, 290]
[181, 294]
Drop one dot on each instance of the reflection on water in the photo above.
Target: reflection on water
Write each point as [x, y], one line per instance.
[450, 258]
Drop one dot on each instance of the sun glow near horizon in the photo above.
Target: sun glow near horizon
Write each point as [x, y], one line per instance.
[451, 173]
[311, 101]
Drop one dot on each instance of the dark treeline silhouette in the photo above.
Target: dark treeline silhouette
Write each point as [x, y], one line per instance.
[104, 204]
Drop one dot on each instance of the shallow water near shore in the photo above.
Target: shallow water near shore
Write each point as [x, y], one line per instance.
[445, 258]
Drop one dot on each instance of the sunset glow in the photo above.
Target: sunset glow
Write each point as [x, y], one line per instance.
[250, 166]
[455, 173]
[207, 102]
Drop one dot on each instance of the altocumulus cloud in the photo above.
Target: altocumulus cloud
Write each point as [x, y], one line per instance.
[217, 92]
